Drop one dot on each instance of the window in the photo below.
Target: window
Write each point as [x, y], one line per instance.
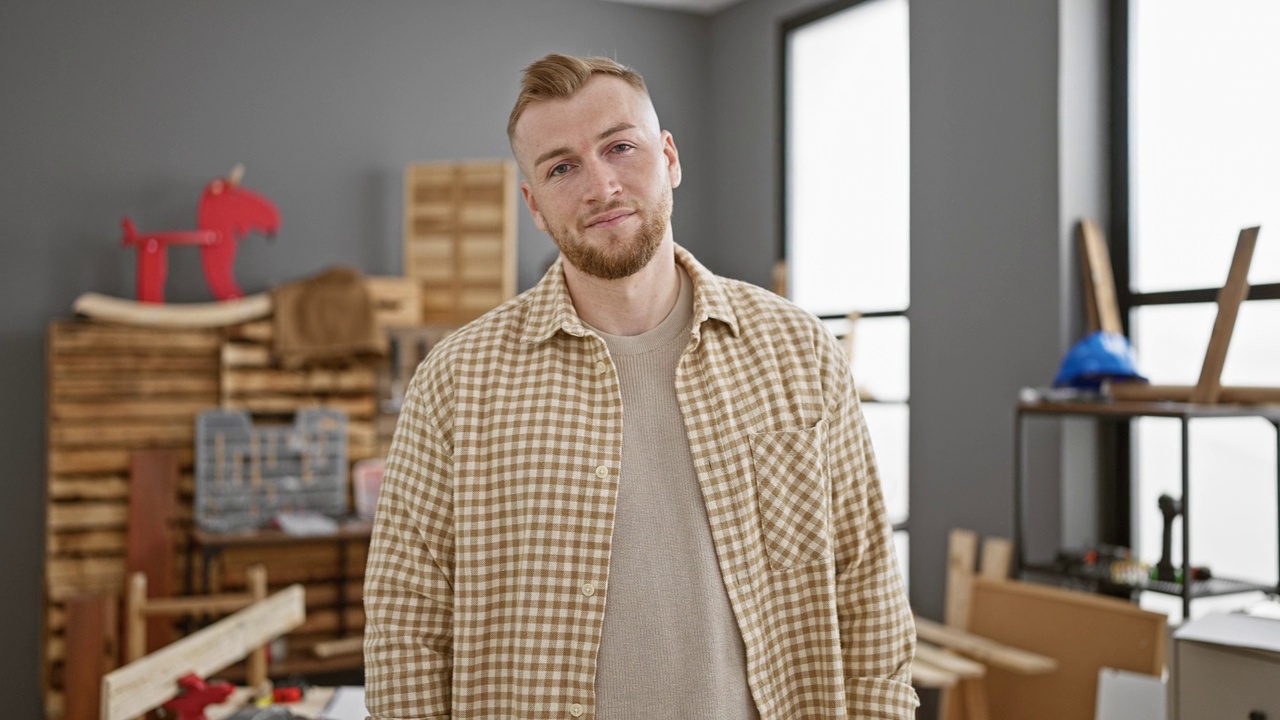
[845, 206]
[1203, 161]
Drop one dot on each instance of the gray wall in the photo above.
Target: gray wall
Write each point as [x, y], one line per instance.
[128, 108]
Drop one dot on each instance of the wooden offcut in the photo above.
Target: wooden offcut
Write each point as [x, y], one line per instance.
[962, 553]
[1102, 311]
[150, 681]
[984, 649]
[153, 497]
[333, 648]
[1232, 294]
[459, 237]
[961, 666]
[1082, 632]
[925, 674]
[91, 639]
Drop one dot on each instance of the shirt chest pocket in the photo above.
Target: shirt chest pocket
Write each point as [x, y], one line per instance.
[789, 469]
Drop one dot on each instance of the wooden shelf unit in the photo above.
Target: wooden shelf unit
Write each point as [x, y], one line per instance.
[1123, 411]
[460, 237]
[113, 390]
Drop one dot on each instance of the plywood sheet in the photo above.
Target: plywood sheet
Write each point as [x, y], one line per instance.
[1083, 632]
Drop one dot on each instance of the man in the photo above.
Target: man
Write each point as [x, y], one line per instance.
[637, 490]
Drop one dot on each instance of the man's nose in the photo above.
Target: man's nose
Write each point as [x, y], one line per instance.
[602, 181]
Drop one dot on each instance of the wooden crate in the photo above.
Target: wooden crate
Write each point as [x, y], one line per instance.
[460, 237]
[111, 390]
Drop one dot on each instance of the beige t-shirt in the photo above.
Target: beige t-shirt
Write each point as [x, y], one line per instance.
[670, 646]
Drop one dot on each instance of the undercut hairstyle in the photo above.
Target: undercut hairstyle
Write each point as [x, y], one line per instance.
[559, 76]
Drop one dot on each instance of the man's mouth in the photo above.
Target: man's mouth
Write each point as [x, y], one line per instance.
[610, 218]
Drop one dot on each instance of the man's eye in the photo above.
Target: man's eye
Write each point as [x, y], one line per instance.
[623, 147]
[560, 169]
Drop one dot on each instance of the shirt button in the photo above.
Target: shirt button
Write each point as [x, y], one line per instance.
[575, 710]
[588, 589]
[601, 366]
[602, 472]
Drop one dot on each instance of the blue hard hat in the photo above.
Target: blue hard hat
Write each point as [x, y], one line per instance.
[1097, 357]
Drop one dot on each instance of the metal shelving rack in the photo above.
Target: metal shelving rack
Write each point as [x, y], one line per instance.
[1124, 411]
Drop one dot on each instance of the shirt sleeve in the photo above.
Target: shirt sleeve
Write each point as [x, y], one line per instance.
[877, 633]
[408, 588]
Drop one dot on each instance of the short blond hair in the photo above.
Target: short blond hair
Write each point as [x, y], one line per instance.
[557, 76]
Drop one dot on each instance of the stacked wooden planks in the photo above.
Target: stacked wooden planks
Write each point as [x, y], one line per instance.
[249, 380]
[111, 390]
[460, 237]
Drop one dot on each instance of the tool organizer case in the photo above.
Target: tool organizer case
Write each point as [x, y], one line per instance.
[246, 474]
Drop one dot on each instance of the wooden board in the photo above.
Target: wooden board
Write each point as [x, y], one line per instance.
[1101, 308]
[962, 554]
[143, 685]
[91, 640]
[150, 549]
[459, 237]
[983, 649]
[1234, 292]
[1083, 632]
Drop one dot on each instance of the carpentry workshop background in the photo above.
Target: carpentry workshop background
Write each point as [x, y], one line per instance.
[1064, 555]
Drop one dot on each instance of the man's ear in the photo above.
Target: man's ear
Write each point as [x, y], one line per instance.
[673, 158]
[533, 206]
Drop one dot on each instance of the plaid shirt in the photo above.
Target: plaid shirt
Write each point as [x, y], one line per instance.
[488, 572]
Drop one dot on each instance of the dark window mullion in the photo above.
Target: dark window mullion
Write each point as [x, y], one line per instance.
[1115, 457]
[861, 315]
[1266, 291]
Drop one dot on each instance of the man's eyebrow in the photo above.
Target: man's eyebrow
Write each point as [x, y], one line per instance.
[562, 150]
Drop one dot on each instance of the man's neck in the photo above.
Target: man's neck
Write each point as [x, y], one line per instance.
[631, 305]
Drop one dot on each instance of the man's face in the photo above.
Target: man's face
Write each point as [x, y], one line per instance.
[598, 176]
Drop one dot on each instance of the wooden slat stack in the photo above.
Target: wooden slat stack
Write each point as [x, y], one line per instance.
[115, 389]
[111, 390]
[460, 237]
[249, 380]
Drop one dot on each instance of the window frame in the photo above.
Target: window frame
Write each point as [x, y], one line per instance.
[785, 29]
[1116, 450]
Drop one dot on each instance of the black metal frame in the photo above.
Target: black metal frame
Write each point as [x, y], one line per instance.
[1112, 416]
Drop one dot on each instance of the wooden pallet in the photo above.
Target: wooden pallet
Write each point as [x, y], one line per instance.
[460, 237]
[111, 390]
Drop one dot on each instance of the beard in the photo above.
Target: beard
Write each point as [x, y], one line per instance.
[617, 255]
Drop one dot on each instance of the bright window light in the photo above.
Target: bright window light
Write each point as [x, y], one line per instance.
[847, 160]
[1204, 104]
